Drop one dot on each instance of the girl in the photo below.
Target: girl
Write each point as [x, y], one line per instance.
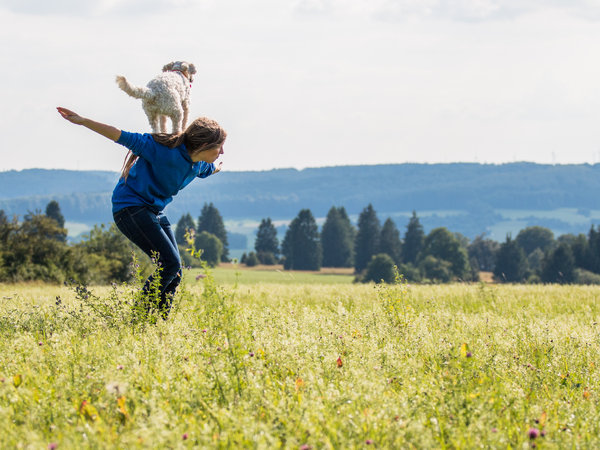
[156, 167]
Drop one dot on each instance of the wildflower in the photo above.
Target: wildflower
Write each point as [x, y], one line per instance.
[40, 343]
[52, 446]
[305, 447]
[200, 276]
[469, 354]
[368, 442]
[494, 430]
[120, 367]
[204, 330]
[339, 362]
[251, 354]
[114, 387]
[185, 436]
[533, 433]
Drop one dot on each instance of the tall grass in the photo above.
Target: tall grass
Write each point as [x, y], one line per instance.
[299, 366]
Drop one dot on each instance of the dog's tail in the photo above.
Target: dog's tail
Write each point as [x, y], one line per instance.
[134, 91]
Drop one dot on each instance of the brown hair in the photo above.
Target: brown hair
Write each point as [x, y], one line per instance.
[202, 134]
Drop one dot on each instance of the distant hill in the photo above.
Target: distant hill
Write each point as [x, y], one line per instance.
[466, 197]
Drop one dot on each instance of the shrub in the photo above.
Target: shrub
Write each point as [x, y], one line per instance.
[252, 259]
[211, 246]
[380, 269]
[266, 258]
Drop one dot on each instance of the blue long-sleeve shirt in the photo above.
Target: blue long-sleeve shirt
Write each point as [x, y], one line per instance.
[158, 174]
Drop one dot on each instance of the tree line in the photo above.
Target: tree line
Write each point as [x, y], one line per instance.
[373, 250]
[36, 248]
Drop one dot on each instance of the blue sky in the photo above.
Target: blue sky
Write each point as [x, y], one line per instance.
[309, 83]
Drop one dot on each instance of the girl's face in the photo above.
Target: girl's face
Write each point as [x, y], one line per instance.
[210, 155]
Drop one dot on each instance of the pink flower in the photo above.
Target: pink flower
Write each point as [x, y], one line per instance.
[185, 436]
[52, 446]
[120, 367]
[533, 433]
[368, 442]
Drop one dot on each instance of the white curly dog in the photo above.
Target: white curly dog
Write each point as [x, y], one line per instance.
[166, 95]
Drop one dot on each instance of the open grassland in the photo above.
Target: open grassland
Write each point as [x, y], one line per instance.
[268, 365]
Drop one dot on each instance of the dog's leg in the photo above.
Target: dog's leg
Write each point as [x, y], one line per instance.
[163, 123]
[154, 123]
[186, 109]
[176, 117]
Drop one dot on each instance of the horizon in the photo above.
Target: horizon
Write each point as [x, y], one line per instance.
[338, 165]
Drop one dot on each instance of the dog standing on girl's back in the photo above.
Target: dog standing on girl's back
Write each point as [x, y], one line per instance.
[166, 95]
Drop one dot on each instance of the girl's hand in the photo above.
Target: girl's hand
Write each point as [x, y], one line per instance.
[69, 115]
[218, 168]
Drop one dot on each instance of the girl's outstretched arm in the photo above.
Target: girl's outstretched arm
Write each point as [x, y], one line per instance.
[108, 131]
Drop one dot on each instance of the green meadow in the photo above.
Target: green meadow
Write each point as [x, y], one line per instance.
[250, 359]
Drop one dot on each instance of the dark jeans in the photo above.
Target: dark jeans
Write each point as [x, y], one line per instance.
[153, 234]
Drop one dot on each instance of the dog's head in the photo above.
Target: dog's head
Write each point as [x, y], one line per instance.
[181, 66]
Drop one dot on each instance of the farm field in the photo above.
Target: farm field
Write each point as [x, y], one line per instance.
[301, 365]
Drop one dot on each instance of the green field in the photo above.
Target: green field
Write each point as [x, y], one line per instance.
[228, 276]
[301, 365]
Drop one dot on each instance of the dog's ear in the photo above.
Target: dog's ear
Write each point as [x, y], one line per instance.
[168, 67]
[192, 69]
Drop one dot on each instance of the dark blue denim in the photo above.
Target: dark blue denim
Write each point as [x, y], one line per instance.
[153, 234]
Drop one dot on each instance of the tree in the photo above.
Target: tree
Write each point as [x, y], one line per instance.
[413, 240]
[53, 211]
[210, 220]
[185, 224]
[559, 266]
[107, 255]
[211, 246]
[436, 269]
[337, 239]
[579, 246]
[366, 243]
[380, 269]
[266, 243]
[301, 246]
[482, 253]
[35, 250]
[389, 242]
[511, 263]
[534, 237]
[443, 245]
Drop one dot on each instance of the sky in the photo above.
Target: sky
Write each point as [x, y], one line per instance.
[310, 83]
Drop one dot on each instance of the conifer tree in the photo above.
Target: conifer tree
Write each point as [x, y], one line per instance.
[266, 242]
[390, 243]
[366, 243]
[53, 211]
[301, 246]
[337, 239]
[185, 224]
[413, 240]
[210, 220]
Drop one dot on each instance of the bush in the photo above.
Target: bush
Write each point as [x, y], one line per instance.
[252, 259]
[380, 269]
[211, 246]
[266, 258]
[435, 269]
[410, 272]
[586, 277]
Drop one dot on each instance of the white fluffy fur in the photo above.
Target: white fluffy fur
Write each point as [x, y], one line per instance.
[166, 95]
